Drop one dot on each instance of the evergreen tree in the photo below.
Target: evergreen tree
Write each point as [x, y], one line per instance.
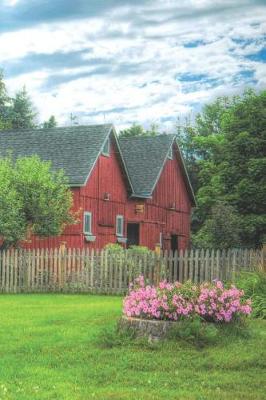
[5, 122]
[138, 130]
[23, 114]
[51, 123]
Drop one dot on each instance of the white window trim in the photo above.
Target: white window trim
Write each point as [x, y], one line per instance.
[121, 218]
[106, 153]
[87, 213]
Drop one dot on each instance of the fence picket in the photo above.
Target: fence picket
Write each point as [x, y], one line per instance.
[106, 272]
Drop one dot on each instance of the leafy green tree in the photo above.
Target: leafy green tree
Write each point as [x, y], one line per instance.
[186, 136]
[220, 230]
[12, 225]
[23, 115]
[33, 200]
[138, 130]
[244, 164]
[229, 145]
[51, 123]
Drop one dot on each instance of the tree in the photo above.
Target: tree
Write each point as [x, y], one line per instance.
[220, 230]
[185, 136]
[51, 123]
[229, 143]
[23, 115]
[5, 100]
[138, 130]
[12, 226]
[33, 200]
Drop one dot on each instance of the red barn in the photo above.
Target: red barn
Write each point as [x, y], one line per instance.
[131, 191]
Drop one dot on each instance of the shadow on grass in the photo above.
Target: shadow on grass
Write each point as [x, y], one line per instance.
[193, 332]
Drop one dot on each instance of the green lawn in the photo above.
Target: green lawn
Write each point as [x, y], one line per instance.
[49, 349]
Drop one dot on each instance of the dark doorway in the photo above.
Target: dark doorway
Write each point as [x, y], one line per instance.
[132, 234]
[174, 242]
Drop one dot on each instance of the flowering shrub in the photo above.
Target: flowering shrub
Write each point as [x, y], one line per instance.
[215, 303]
[176, 301]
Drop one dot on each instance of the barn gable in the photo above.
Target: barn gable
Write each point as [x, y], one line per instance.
[145, 158]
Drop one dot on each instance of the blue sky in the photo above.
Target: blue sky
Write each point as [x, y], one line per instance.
[125, 61]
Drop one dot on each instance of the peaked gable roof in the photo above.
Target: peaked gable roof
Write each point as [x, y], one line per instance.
[145, 157]
[74, 149]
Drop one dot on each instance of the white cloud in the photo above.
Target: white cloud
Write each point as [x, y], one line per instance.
[146, 54]
[11, 3]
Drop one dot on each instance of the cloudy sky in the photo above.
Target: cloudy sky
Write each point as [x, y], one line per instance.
[125, 61]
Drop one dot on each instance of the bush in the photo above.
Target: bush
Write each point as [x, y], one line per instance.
[114, 247]
[254, 286]
[195, 331]
[139, 249]
[167, 301]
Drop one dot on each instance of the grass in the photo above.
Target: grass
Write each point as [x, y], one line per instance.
[49, 349]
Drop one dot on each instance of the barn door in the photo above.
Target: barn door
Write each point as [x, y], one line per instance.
[174, 242]
[132, 234]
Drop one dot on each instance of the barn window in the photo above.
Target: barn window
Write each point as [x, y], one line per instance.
[170, 153]
[87, 222]
[106, 148]
[119, 225]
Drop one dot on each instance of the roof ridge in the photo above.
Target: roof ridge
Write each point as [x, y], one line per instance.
[148, 137]
[54, 128]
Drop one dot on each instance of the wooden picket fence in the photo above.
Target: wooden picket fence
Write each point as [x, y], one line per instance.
[75, 270]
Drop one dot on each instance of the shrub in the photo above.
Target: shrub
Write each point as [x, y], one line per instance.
[114, 247]
[217, 304]
[192, 330]
[139, 249]
[176, 301]
[254, 286]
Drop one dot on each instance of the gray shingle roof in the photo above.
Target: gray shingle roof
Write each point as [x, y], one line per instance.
[144, 158]
[75, 149]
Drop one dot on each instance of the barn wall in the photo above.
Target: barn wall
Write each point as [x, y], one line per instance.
[168, 212]
[106, 177]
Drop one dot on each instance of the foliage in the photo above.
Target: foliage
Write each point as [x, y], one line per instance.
[254, 286]
[19, 112]
[51, 123]
[49, 346]
[118, 248]
[136, 249]
[225, 151]
[33, 199]
[200, 333]
[138, 130]
[5, 100]
[194, 331]
[114, 247]
[210, 301]
[12, 226]
[22, 114]
[220, 230]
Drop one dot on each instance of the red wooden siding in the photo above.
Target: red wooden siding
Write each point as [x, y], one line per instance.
[107, 177]
[168, 212]
[158, 217]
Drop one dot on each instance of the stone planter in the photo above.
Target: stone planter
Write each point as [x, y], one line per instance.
[152, 328]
